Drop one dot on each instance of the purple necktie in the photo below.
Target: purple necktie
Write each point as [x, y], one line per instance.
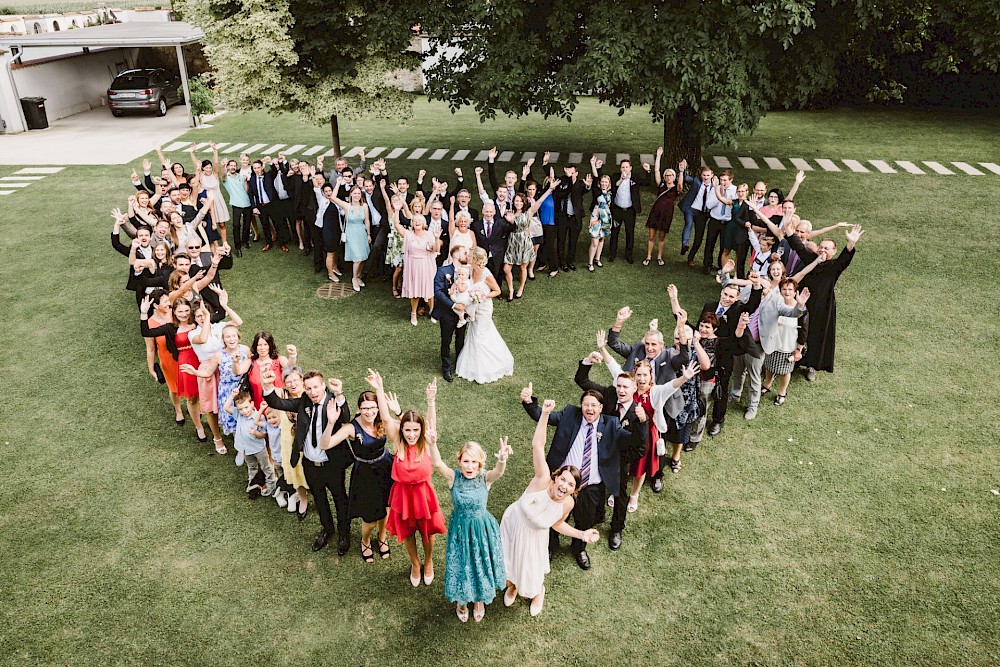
[585, 468]
[755, 326]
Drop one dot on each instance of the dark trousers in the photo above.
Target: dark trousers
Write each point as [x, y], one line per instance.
[376, 257]
[622, 217]
[550, 247]
[241, 217]
[449, 331]
[330, 477]
[715, 228]
[584, 514]
[742, 252]
[700, 220]
[621, 501]
[283, 219]
[567, 236]
[720, 397]
[265, 222]
[319, 249]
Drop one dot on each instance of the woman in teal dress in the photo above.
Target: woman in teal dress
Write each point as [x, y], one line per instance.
[474, 568]
[357, 231]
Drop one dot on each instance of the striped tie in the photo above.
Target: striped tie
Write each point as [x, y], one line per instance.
[585, 468]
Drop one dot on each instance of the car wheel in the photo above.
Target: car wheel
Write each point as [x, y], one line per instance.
[117, 113]
[161, 106]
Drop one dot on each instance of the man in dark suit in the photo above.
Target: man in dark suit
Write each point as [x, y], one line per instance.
[695, 207]
[262, 194]
[325, 470]
[592, 442]
[625, 205]
[446, 311]
[651, 348]
[142, 251]
[492, 235]
[568, 200]
[380, 224]
[627, 411]
[283, 204]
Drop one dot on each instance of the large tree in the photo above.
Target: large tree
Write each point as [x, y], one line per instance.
[327, 61]
[707, 69]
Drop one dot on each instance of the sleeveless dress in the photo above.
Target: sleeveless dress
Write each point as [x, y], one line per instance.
[485, 356]
[524, 532]
[661, 214]
[227, 382]
[649, 464]
[519, 247]
[187, 384]
[253, 377]
[210, 184]
[413, 505]
[356, 235]
[371, 475]
[419, 266]
[474, 567]
[167, 362]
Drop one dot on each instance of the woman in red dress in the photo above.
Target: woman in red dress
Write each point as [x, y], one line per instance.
[264, 354]
[176, 334]
[413, 505]
[649, 464]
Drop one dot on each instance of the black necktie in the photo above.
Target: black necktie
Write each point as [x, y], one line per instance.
[704, 196]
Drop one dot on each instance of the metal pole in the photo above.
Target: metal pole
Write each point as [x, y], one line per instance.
[184, 83]
[15, 53]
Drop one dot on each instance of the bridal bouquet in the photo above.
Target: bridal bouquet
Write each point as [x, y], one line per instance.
[479, 293]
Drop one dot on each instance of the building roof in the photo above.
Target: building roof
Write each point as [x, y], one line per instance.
[152, 33]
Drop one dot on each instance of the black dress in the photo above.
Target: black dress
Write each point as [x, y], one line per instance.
[661, 213]
[371, 475]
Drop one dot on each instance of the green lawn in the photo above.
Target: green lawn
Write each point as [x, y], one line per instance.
[854, 525]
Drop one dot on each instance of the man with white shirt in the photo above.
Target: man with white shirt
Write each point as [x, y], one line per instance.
[325, 471]
[591, 443]
[492, 234]
[719, 215]
[696, 205]
[379, 225]
[625, 205]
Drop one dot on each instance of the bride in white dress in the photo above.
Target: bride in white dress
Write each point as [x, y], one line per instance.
[485, 357]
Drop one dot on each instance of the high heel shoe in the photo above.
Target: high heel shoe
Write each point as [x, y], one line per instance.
[509, 299]
[180, 422]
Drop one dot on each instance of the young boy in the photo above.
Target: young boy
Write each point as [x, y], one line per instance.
[250, 442]
[272, 426]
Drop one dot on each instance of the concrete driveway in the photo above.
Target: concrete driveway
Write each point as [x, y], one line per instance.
[93, 137]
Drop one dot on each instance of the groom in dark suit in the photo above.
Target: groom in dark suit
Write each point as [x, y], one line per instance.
[592, 442]
[446, 311]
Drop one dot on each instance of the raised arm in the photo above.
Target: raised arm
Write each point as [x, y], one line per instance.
[656, 166]
[388, 419]
[799, 177]
[538, 444]
[501, 466]
[491, 169]
[432, 405]
[538, 202]
[819, 232]
[329, 439]
[777, 231]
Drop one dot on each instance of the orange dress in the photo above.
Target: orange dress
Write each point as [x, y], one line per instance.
[167, 362]
[413, 505]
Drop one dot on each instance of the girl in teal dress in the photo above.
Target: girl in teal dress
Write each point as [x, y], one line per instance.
[474, 568]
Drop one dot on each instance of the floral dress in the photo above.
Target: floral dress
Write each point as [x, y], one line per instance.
[519, 248]
[600, 220]
[227, 382]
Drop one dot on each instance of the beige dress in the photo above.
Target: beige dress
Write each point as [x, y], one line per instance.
[524, 532]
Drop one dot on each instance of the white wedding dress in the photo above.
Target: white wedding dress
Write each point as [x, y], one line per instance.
[485, 357]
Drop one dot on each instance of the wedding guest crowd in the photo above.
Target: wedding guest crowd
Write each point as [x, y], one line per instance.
[293, 429]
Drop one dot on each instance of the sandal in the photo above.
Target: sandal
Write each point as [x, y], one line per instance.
[368, 557]
[633, 503]
[675, 465]
[659, 260]
[646, 261]
[383, 548]
[764, 390]
[220, 447]
[462, 613]
[611, 502]
[478, 611]
[395, 292]
[599, 265]
[779, 399]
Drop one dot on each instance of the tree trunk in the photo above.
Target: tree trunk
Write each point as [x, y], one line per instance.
[335, 130]
[681, 141]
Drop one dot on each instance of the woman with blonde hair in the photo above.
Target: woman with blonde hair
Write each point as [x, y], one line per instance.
[473, 570]
[485, 356]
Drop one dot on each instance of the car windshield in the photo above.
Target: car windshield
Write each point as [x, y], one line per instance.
[131, 82]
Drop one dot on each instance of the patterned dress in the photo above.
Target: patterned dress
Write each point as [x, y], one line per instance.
[227, 382]
[474, 568]
[600, 220]
[519, 247]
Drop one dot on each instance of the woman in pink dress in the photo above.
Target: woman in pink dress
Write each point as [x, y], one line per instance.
[264, 355]
[413, 504]
[419, 266]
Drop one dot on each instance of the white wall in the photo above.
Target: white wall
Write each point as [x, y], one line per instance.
[69, 85]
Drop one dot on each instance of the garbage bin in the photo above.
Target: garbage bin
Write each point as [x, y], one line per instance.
[34, 112]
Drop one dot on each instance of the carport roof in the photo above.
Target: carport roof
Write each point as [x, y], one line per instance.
[150, 33]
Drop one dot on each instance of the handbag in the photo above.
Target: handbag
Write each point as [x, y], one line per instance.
[159, 373]
[661, 447]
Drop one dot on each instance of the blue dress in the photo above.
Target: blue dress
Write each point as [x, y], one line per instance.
[227, 382]
[355, 235]
[474, 568]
